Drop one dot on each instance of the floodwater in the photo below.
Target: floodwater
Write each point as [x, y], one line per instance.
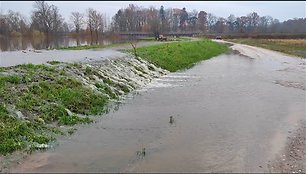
[230, 113]
[55, 42]
[11, 58]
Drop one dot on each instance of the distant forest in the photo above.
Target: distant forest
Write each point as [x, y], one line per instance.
[46, 20]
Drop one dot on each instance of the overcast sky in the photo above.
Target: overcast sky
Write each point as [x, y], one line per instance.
[282, 10]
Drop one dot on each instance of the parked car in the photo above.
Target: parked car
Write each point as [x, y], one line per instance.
[219, 37]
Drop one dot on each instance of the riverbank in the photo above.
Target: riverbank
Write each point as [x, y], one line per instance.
[296, 47]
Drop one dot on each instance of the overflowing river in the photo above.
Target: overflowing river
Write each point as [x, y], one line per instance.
[231, 113]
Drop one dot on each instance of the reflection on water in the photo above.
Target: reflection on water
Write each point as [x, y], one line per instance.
[25, 43]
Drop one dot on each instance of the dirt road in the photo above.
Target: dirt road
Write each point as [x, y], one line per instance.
[232, 113]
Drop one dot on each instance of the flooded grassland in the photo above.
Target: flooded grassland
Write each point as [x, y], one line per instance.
[232, 113]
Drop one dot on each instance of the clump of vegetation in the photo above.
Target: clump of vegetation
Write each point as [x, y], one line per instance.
[54, 62]
[181, 55]
[82, 47]
[86, 47]
[168, 38]
[178, 38]
[295, 47]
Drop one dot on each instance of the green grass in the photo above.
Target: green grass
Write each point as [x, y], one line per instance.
[16, 134]
[54, 62]
[47, 96]
[295, 47]
[181, 55]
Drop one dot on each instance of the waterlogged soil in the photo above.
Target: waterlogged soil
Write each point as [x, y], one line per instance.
[232, 113]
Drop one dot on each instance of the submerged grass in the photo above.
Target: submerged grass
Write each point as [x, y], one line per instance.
[181, 55]
[82, 47]
[36, 99]
[86, 47]
[16, 134]
[168, 38]
[295, 47]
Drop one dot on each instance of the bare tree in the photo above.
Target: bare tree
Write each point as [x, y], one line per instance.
[152, 19]
[202, 21]
[253, 20]
[98, 24]
[65, 27]
[77, 20]
[46, 18]
[94, 23]
[162, 18]
[57, 20]
[211, 21]
[4, 29]
[134, 18]
[192, 20]
[183, 19]
[175, 18]
[90, 22]
[231, 23]
[16, 22]
[220, 25]
[168, 19]
[119, 21]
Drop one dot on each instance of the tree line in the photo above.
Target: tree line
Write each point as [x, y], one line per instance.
[134, 18]
[46, 19]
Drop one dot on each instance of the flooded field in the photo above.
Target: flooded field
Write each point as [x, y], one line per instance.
[38, 43]
[232, 113]
[11, 58]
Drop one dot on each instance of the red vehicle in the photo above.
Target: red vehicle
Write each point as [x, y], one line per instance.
[219, 37]
[162, 38]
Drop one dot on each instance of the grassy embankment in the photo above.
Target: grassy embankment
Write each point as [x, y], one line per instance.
[46, 97]
[181, 55]
[295, 47]
[37, 100]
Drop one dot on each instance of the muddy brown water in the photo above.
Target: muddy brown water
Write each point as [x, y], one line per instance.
[230, 114]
